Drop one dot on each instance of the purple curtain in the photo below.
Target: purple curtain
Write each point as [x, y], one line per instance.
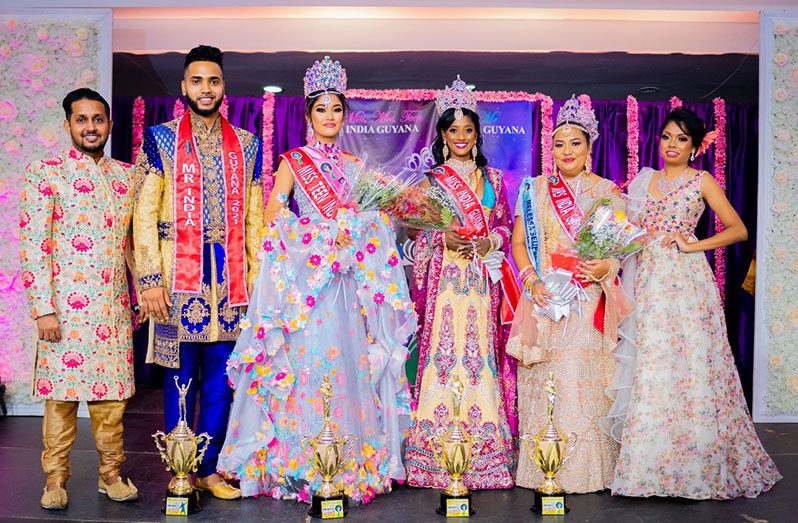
[609, 160]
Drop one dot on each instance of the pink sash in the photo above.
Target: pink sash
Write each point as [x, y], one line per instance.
[311, 172]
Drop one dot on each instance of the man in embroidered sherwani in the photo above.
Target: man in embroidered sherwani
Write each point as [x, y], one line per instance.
[74, 226]
[196, 227]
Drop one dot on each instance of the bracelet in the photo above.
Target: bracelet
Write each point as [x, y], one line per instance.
[525, 272]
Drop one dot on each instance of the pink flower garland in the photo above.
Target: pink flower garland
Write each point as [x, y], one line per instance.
[267, 134]
[223, 109]
[138, 125]
[421, 95]
[584, 101]
[632, 139]
[676, 102]
[720, 177]
[178, 109]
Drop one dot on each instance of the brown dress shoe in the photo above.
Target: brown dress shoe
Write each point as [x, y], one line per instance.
[55, 499]
[221, 490]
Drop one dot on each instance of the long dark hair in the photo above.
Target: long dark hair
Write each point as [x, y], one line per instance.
[444, 122]
[689, 122]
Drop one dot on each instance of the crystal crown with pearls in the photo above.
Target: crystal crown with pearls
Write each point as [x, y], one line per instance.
[325, 77]
[458, 96]
[574, 112]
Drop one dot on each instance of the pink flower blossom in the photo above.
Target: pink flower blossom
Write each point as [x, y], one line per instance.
[781, 94]
[72, 359]
[335, 267]
[370, 248]
[359, 256]
[310, 301]
[35, 63]
[42, 34]
[74, 48]
[393, 261]
[379, 298]
[78, 300]
[5, 51]
[7, 110]
[306, 238]
[267, 246]
[781, 58]
[304, 220]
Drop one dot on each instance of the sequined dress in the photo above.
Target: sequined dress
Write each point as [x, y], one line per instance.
[580, 358]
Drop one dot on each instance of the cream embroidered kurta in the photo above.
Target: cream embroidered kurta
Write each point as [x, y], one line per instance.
[74, 221]
[203, 317]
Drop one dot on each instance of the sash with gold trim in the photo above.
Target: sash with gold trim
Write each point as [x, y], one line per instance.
[188, 205]
[311, 170]
[476, 226]
[563, 200]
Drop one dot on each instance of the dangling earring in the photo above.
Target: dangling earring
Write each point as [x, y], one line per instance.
[309, 133]
[474, 153]
[445, 152]
[588, 164]
[692, 155]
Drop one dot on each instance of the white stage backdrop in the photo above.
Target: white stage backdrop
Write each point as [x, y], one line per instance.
[776, 345]
[44, 54]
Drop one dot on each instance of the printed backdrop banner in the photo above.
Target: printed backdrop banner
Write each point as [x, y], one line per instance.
[387, 133]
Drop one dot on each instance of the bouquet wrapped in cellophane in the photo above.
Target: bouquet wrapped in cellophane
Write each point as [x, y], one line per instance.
[400, 196]
[608, 233]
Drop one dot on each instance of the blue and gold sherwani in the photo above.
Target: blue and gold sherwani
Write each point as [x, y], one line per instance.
[201, 331]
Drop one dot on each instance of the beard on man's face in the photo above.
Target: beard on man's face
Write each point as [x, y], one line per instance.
[204, 112]
[87, 146]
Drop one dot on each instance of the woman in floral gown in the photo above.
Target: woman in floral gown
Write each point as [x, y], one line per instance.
[579, 354]
[331, 299]
[687, 430]
[461, 332]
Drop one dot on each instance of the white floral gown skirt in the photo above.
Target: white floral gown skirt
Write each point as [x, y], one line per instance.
[688, 432]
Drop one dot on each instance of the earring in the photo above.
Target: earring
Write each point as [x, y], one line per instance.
[445, 152]
[474, 153]
[309, 133]
[588, 165]
[692, 155]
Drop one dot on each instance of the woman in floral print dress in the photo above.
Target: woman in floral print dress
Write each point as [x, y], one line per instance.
[687, 431]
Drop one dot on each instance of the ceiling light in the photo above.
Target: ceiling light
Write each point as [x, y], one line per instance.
[471, 86]
[273, 89]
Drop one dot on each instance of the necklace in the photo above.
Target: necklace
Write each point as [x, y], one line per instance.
[575, 182]
[466, 169]
[668, 186]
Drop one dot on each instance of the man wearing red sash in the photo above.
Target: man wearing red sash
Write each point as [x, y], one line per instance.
[198, 212]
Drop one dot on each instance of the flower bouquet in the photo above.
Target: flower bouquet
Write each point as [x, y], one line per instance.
[608, 233]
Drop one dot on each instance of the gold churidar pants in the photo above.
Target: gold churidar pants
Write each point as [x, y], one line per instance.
[60, 428]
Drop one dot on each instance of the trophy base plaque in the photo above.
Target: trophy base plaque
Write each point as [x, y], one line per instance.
[333, 507]
[550, 504]
[456, 506]
[181, 505]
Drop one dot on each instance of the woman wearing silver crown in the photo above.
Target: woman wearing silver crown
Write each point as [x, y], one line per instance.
[331, 301]
[458, 303]
[574, 349]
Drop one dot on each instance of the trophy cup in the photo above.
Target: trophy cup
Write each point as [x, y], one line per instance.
[455, 456]
[180, 451]
[327, 453]
[550, 450]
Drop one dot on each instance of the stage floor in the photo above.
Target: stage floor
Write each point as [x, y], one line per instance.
[21, 482]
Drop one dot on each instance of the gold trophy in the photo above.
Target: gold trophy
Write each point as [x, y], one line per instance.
[455, 456]
[180, 451]
[550, 451]
[327, 453]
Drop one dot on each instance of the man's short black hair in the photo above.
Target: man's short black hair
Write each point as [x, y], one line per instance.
[204, 53]
[84, 93]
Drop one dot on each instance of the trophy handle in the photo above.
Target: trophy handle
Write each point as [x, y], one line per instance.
[349, 446]
[159, 437]
[308, 449]
[570, 444]
[532, 449]
[201, 454]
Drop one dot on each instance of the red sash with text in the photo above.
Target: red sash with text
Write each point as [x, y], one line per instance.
[187, 194]
[476, 226]
[311, 172]
[565, 207]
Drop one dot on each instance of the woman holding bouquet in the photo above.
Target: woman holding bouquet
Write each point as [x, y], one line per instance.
[331, 301]
[687, 431]
[458, 302]
[577, 349]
